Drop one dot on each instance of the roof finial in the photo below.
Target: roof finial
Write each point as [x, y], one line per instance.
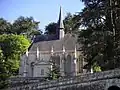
[63, 49]
[52, 50]
[27, 52]
[37, 53]
[75, 52]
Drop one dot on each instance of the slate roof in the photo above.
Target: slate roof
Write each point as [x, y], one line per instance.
[68, 41]
[40, 38]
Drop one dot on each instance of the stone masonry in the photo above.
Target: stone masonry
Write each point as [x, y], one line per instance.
[107, 80]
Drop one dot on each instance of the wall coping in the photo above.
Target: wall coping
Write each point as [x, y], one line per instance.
[89, 77]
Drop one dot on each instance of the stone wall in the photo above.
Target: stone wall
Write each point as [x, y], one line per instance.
[95, 81]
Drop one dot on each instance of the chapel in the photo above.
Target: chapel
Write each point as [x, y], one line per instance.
[61, 48]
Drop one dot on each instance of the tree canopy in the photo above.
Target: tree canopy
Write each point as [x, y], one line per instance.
[54, 73]
[15, 38]
[100, 36]
[5, 26]
[22, 26]
[51, 28]
[70, 24]
[26, 25]
[11, 48]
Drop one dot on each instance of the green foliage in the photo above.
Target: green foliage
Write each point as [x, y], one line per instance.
[13, 43]
[16, 44]
[96, 68]
[12, 46]
[54, 73]
[99, 38]
[3, 72]
[22, 26]
[51, 28]
[70, 24]
[5, 27]
[3, 80]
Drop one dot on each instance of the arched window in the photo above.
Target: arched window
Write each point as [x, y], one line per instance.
[42, 71]
[32, 69]
[67, 66]
[113, 88]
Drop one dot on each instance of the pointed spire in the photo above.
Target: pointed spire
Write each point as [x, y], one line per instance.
[60, 25]
[60, 21]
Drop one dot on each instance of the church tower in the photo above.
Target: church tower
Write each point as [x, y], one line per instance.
[60, 26]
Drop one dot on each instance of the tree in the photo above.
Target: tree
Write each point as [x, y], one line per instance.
[26, 26]
[12, 47]
[98, 38]
[3, 73]
[54, 73]
[5, 27]
[13, 43]
[69, 24]
[23, 25]
[92, 37]
[51, 28]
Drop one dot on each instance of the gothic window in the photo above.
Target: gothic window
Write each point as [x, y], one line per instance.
[67, 66]
[42, 71]
[32, 68]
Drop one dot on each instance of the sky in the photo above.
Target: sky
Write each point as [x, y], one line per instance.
[45, 11]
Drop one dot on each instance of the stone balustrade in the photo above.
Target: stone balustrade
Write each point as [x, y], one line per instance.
[40, 84]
